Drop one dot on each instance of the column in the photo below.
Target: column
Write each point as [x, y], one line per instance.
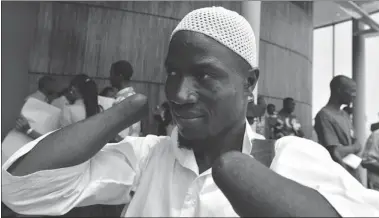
[251, 10]
[359, 119]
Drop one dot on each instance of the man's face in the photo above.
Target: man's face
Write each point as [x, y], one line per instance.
[348, 93]
[50, 91]
[271, 110]
[289, 106]
[205, 85]
[72, 95]
[114, 79]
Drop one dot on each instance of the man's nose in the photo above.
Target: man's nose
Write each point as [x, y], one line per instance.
[184, 92]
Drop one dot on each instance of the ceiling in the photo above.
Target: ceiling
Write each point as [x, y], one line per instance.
[328, 12]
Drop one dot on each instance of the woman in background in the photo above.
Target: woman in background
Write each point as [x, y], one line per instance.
[61, 101]
[82, 93]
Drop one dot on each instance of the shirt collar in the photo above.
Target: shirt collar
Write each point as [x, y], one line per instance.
[125, 91]
[79, 102]
[187, 158]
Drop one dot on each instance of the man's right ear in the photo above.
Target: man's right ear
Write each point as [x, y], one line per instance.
[252, 78]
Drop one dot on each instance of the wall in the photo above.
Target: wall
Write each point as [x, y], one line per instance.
[18, 21]
[86, 37]
[286, 56]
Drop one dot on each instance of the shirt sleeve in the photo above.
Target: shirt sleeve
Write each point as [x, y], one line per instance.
[310, 164]
[107, 178]
[371, 151]
[325, 131]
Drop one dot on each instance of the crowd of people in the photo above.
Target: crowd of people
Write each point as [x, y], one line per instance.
[80, 100]
[210, 77]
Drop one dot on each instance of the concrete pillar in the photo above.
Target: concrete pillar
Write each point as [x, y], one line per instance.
[251, 10]
[359, 115]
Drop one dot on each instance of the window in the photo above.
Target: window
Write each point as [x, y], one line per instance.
[372, 76]
[322, 67]
[343, 49]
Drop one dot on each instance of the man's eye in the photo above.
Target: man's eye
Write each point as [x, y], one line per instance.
[202, 76]
[172, 73]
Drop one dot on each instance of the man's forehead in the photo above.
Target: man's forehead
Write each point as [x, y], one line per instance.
[198, 48]
[189, 40]
[348, 84]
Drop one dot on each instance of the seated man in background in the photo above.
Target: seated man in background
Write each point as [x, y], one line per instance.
[334, 127]
[46, 91]
[287, 123]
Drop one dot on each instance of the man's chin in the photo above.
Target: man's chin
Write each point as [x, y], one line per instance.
[191, 133]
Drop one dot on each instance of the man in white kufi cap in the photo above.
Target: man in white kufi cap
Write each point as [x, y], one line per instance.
[211, 65]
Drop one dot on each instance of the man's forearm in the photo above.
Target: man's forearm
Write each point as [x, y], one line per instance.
[34, 134]
[346, 150]
[79, 142]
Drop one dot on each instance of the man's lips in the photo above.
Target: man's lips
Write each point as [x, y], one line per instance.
[187, 116]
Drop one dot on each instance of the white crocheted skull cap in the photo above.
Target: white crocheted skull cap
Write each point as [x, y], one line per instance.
[225, 26]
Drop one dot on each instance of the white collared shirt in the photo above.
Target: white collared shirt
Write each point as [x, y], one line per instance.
[72, 113]
[166, 180]
[38, 95]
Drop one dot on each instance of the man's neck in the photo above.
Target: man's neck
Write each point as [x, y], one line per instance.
[124, 85]
[230, 139]
[285, 112]
[334, 104]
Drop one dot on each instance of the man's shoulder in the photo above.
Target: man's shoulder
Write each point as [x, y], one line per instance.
[298, 146]
[325, 113]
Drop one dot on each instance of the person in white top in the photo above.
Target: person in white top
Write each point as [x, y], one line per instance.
[45, 90]
[83, 95]
[61, 101]
[210, 56]
[120, 74]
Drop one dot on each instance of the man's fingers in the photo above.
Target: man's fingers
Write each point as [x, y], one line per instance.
[255, 190]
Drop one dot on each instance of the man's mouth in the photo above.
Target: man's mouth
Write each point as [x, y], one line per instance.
[187, 116]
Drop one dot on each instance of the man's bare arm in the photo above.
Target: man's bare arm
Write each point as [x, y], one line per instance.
[371, 166]
[79, 142]
[350, 149]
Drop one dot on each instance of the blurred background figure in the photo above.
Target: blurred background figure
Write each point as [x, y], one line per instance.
[349, 110]
[61, 101]
[271, 120]
[260, 115]
[371, 160]
[334, 127]
[121, 73]
[109, 92]
[287, 123]
[164, 119]
[83, 95]
[46, 91]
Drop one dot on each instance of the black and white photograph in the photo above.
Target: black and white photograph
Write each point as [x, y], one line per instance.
[190, 108]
